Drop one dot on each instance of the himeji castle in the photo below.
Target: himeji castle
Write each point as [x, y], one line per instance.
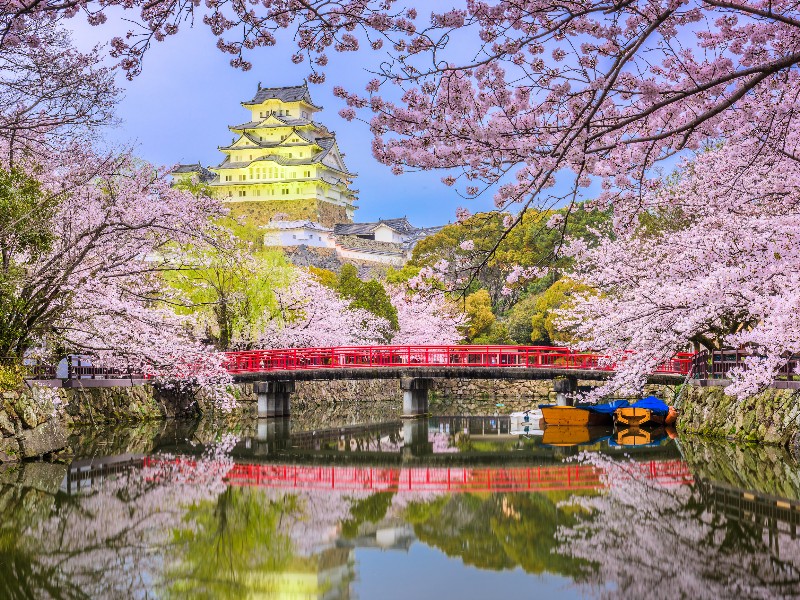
[283, 156]
[284, 172]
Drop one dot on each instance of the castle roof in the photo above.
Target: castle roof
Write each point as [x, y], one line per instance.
[326, 143]
[292, 93]
[305, 224]
[203, 174]
[284, 122]
[400, 225]
[323, 141]
[195, 168]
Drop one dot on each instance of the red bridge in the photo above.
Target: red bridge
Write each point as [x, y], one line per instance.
[501, 362]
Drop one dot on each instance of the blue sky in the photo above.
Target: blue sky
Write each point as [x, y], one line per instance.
[179, 108]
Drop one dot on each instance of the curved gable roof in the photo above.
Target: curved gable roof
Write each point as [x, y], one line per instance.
[293, 93]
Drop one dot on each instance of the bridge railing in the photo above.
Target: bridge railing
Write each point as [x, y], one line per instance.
[718, 364]
[292, 359]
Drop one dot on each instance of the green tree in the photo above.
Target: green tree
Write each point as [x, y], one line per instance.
[369, 295]
[403, 275]
[482, 326]
[531, 243]
[231, 291]
[25, 230]
[544, 326]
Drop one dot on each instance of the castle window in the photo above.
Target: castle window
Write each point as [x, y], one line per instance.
[290, 155]
[242, 193]
[258, 193]
[230, 194]
[285, 191]
[306, 173]
[251, 157]
[287, 113]
[228, 178]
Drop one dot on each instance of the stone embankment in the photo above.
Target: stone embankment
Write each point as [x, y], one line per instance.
[771, 417]
[35, 421]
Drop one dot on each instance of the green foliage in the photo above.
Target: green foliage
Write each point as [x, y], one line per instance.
[519, 320]
[530, 243]
[11, 375]
[325, 276]
[26, 228]
[369, 295]
[27, 214]
[409, 271]
[543, 322]
[232, 291]
[482, 327]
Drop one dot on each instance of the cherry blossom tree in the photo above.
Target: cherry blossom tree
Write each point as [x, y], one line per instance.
[425, 318]
[50, 94]
[83, 259]
[313, 315]
[712, 258]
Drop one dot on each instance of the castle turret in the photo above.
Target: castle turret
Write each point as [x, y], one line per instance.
[285, 161]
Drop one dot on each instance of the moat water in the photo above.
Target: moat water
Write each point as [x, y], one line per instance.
[375, 507]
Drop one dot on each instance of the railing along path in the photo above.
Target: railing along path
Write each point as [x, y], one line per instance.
[348, 357]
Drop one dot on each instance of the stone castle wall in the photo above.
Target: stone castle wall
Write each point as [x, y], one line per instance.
[260, 212]
[771, 417]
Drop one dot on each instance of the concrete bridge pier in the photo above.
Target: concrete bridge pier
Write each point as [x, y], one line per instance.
[564, 386]
[415, 395]
[273, 398]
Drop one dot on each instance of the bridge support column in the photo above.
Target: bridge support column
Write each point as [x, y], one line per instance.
[415, 395]
[564, 386]
[273, 398]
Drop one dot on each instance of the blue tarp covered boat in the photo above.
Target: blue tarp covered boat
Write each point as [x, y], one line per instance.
[646, 410]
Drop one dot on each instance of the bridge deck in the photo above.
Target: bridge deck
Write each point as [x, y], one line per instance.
[475, 362]
[442, 371]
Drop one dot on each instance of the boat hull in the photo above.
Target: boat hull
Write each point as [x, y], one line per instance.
[573, 415]
[632, 416]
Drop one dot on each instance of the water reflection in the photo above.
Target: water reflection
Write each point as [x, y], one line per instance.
[277, 509]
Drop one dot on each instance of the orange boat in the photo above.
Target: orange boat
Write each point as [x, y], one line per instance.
[649, 411]
[636, 417]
